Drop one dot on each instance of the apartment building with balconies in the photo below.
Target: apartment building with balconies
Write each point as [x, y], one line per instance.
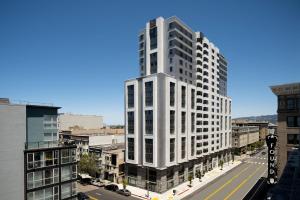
[177, 114]
[33, 163]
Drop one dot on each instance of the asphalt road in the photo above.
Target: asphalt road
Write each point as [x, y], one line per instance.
[236, 183]
[103, 194]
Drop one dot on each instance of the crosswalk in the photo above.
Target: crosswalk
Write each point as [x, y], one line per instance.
[257, 163]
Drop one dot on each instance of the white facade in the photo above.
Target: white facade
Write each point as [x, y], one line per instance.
[173, 55]
[67, 120]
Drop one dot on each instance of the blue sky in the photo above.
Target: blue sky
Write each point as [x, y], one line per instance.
[77, 54]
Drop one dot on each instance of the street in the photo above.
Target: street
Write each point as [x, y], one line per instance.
[103, 194]
[236, 183]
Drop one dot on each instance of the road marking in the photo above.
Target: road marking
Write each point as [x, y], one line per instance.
[98, 194]
[93, 198]
[225, 184]
[241, 184]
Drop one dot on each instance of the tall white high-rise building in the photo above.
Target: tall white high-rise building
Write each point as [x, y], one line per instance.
[177, 114]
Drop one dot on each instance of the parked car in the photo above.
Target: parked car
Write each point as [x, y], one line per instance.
[112, 187]
[82, 196]
[98, 183]
[124, 192]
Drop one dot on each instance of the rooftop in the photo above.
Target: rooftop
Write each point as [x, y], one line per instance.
[286, 89]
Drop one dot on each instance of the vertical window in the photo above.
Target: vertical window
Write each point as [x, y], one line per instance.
[193, 99]
[149, 121]
[149, 150]
[225, 139]
[130, 96]
[172, 150]
[153, 37]
[293, 138]
[193, 146]
[130, 148]
[183, 148]
[221, 140]
[192, 122]
[172, 94]
[149, 93]
[291, 104]
[182, 122]
[130, 121]
[153, 63]
[172, 121]
[183, 94]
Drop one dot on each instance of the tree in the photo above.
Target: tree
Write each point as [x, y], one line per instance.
[221, 164]
[198, 174]
[190, 178]
[87, 164]
[125, 183]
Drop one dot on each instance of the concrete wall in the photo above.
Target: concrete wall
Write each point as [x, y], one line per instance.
[105, 139]
[83, 121]
[13, 137]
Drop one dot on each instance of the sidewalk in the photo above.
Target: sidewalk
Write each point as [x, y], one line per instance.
[183, 189]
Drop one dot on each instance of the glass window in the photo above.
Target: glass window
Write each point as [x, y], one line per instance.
[172, 94]
[291, 104]
[130, 148]
[172, 121]
[153, 37]
[183, 148]
[149, 150]
[130, 126]
[149, 93]
[293, 138]
[153, 63]
[149, 121]
[172, 150]
[183, 95]
[182, 122]
[130, 96]
[193, 146]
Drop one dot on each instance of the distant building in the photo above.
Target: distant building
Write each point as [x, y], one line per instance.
[264, 127]
[34, 165]
[84, 141]
[110, 159]
[288, 130]
[69, 121]
[242, 136]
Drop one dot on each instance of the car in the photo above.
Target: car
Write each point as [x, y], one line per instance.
[82, 196]
[98, 183]
[263, 153]
[112, 187]
[124, 192]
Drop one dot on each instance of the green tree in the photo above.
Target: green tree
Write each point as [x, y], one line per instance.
[190, 178]
[88, 164]
[125, 183]
[221, 164]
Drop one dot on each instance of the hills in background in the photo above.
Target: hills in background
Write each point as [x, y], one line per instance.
[269, 118]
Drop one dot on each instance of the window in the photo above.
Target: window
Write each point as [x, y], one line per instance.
[130, 121]
[153, 37]
[153, 63]
[130, 148]
[149, 121]
[183, 148]
[130, 96]
[192, 122]
[182, 122]
[149, 150]
[172, 150]
[193, 98]
[293, 121]
[172, 94]
[172, 121]
[183, 94]
[293, 138]
[193, 146]
[291, 104]
[149, 93]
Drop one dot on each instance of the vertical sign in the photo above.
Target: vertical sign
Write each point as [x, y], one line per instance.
[271, 140]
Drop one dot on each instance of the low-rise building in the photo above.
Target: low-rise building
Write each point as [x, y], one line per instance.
[242, 136]
[68, 121]
[34, 165]
[110, 159]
